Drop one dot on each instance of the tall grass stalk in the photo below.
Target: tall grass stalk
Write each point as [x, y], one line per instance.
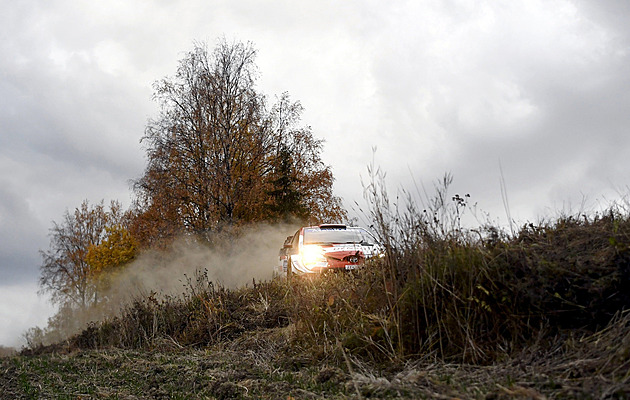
[442, 290]
[477, 294]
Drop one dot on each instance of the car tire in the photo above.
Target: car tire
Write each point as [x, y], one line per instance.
[289, 271]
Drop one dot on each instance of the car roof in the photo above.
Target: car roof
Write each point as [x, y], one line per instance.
[323, 227]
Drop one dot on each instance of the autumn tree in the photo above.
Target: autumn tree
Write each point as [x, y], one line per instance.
[285, 199]
[217, 155]
[66, 271]
[106, 258]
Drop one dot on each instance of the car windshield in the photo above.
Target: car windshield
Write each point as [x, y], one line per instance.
[326, 236]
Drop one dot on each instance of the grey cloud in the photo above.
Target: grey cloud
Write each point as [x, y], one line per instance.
[19, 231]
[567, 92]
[541, 87]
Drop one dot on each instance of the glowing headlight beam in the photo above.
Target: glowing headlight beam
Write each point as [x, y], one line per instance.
[312, 254]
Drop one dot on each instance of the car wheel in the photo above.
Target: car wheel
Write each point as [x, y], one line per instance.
[289, 271]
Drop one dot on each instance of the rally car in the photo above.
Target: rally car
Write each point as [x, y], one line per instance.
[314, 249]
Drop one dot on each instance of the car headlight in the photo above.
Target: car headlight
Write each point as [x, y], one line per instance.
[312, 254]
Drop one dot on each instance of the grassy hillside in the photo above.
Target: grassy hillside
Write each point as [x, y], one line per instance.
[446, 313]
[267, 365]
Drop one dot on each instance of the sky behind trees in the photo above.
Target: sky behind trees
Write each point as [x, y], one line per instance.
[536, 89]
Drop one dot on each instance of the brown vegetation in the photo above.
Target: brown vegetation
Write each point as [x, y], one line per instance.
[448, 311]
[470, 314]
[7, 351]
[219, 160]
[78, 247]
[218, 156]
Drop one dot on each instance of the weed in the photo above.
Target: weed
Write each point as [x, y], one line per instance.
[448, 311]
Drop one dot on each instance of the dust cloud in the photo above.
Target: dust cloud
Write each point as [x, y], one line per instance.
[231, 261]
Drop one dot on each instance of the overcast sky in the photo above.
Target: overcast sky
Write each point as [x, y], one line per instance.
[540, 88]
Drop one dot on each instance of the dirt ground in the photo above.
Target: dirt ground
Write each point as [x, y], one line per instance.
[258, 367]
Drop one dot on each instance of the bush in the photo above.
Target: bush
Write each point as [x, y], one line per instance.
[206, 314]
[441, 290]
[476, 294]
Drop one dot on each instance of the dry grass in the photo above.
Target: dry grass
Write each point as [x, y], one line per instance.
[7, 351]
[266, 364]
[477, 295]
[448, 312]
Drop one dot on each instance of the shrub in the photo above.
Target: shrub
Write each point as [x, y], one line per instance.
[206, 314]
[442, 290]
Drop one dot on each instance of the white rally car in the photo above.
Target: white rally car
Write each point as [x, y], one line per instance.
[314, 249]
